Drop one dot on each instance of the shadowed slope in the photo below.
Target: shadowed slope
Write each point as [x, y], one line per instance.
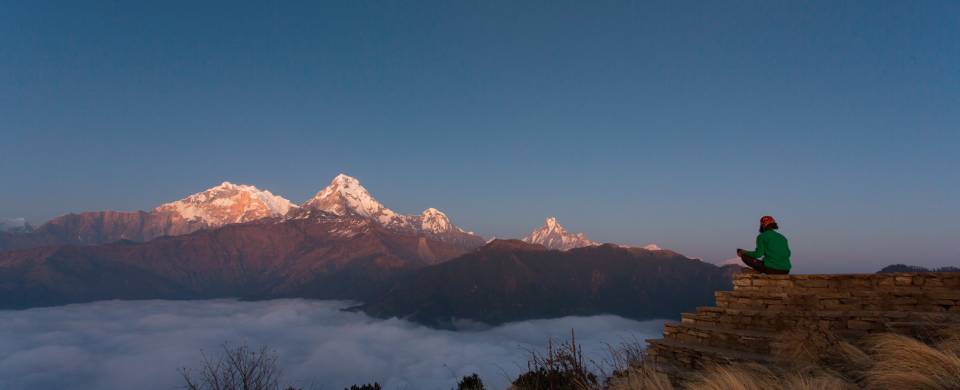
[324, 256]
[509, 280]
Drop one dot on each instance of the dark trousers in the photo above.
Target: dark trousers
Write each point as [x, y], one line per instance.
[758, 266]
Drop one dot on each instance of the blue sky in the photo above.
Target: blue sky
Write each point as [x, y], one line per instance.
[678, 123]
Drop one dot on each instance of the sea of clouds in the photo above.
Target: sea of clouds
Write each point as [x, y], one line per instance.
[142, 344]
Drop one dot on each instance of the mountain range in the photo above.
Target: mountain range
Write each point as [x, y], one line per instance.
[230, 203]
[544, 283]
[225, 204]
[239, 241]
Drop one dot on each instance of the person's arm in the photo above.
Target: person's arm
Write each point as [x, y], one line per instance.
[760, 251]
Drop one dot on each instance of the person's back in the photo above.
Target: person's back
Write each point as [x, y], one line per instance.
[777, 250]
[772, 248]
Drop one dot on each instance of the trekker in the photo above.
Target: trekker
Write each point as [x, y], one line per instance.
[772, 247]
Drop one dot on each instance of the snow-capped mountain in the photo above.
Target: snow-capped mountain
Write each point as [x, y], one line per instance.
[228, 203]
[345, 196]
[224, 204]
[435, 221]
[554, 236]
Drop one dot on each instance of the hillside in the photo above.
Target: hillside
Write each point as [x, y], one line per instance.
[324, 256]
[509, 280]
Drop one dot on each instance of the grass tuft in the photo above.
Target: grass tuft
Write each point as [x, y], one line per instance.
[902, 362]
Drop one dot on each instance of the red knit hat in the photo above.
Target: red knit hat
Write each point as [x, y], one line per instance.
[766, 220]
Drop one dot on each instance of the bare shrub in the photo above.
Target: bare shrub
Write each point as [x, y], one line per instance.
[631, 370]
[235, 368]
[561, 368]
[471, 382]
[624, 356]
[367, 386]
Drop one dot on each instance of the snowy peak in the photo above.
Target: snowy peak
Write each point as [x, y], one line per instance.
[554, 236]
[345, 195]
[228, 203]
[552, 224]
[435, 221]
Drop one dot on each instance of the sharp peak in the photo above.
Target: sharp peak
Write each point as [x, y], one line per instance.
[433, 211]
[343, 178]
[552, 223]
[344, 184]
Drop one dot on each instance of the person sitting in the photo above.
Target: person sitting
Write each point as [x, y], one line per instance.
[772, 247]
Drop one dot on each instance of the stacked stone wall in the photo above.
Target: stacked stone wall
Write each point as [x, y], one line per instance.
[746, 322]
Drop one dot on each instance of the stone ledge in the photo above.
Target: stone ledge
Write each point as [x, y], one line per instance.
[742, 325]
[916, 280]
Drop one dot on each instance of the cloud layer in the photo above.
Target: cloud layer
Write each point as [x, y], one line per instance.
[141, 344]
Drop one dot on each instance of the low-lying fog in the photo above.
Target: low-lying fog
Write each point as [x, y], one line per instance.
[141, 344]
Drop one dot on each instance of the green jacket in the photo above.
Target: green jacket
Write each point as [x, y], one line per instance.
[773, 248]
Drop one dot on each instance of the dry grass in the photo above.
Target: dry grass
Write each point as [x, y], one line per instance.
[824, 362]
[738, 377]
[806, 344]
[811, 347]
[902, 362]
[757, 377]
[949, 340]
[640, 377]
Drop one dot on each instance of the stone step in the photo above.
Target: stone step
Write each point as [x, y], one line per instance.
[898, 300]
[693, 356]
[914, 281]
[713, 336]
[837, 320]
[747, 322]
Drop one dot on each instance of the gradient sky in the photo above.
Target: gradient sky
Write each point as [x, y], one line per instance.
[679, 123]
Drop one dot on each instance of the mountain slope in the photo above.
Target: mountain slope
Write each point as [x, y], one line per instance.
[510, 280]
[554, 236]
[325, 256]
[224, 204]
[345, 196]
[227, 203]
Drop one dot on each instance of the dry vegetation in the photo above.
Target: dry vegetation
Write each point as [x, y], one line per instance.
[814, 359]
[810, 360]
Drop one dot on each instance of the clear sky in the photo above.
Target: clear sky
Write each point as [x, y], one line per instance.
[677, 123]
